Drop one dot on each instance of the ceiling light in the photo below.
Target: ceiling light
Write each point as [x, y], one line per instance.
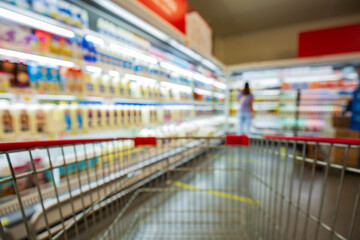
[202, 78]
[36, 58]
[95, 40]
[185, 50]
[133, 53]
[114, 8]
[176, 86]
[139, 79]
[35, 23]
[176, 69]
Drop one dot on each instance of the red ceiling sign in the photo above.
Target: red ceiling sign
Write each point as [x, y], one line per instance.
[343, 39]
[173, 11]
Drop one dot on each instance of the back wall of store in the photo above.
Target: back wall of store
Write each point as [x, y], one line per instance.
[270, 44]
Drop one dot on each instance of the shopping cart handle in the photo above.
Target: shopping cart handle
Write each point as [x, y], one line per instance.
[237, 140]
[7, 146]
[350, 141]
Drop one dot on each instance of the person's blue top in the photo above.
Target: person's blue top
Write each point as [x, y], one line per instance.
[244, 102]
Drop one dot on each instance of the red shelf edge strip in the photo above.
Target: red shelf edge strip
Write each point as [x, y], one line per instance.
[6, 146]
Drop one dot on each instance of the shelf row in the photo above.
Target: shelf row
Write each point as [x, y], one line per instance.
[57, 121]
[27, 95]
[89, 51]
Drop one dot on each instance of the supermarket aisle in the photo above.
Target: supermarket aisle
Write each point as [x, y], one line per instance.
[225, 194]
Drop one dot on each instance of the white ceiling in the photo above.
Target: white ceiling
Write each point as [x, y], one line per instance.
[230, 17]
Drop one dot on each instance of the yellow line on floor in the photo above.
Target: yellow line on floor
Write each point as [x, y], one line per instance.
[239, 159]
[217, 193]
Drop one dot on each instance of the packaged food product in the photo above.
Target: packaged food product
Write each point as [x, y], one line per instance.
[90, 117]
[139, 115]
[23, 124]
[145, 115]
[123, 116]
[42, 79]
[114, 84]
[7, 126]
[116, 114]
[53, 118]
[89, 85]
[5, 80]
[8, 68]
[53, 79]
[77, 116]
[39, 119]
[53, 8]
[109, 117]
[103, 85]
[100, 116]
[64, 11]
[76, 16]
[84, 18]
[126, 116]
[65, 111]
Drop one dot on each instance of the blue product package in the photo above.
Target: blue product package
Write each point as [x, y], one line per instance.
[79, 119]
[86, 50]
[34, 74]
[67, 119]
[53, 77]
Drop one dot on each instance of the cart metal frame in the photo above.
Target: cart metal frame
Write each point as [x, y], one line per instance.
[231, 187]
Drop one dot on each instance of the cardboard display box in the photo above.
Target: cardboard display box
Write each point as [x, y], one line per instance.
[341, 122]
[338, 153]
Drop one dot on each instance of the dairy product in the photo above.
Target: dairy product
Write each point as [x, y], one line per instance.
[7, 126]
[65, 111]
[109, 116]
[22, 119]
[90, 117]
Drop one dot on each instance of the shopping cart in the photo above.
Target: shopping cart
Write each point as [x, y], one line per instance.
[230, 187]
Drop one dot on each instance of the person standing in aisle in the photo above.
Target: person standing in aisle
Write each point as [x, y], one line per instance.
[245, 111]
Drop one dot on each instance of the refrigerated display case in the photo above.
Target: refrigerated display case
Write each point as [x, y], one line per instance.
[324, 92]
[68, 53]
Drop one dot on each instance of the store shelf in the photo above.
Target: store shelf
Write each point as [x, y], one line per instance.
[69, 62]
[105, 132]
